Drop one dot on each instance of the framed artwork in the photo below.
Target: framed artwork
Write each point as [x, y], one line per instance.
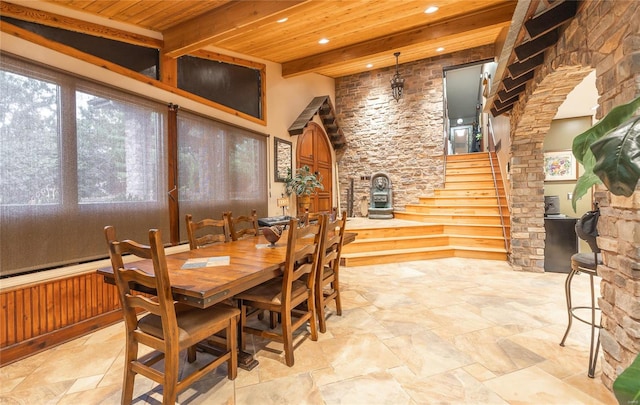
[560, 166]
[282, 159]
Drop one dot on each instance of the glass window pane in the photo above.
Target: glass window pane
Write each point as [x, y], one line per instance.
[29, 140]
[118, 150]
[220, 168]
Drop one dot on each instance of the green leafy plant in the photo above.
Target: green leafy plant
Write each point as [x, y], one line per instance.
[303, 182]
[626, 387]
[610, 152]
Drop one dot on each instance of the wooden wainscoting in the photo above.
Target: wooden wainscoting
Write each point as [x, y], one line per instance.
[38, 316]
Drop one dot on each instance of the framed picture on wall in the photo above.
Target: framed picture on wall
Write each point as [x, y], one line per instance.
[560, 166]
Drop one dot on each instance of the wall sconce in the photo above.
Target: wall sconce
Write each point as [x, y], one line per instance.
[283, 203]
[397, 82]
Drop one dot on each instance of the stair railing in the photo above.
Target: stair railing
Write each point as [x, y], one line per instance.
[495, 185]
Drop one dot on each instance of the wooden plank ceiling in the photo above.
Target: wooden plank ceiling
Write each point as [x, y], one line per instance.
[360, 32]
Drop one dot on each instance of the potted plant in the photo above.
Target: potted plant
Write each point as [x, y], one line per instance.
[610, 152]
[303, 183]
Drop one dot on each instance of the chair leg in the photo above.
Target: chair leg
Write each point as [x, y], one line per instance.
[593, 351]
[567, 292]
[171, 371]
[312, 314]
[319, 297]
[273, 319]
[129, 376]
[191, 354]
[287, 338]
[336, 288]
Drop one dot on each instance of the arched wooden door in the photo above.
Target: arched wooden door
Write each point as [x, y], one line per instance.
[314, 151]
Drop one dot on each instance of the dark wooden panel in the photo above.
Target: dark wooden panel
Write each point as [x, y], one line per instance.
[535, 46]
[517, 69]
[551, 18]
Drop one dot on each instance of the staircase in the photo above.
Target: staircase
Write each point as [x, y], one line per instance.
[461, 220]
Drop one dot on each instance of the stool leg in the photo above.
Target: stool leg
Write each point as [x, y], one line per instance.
[567, 292]
[593, 352]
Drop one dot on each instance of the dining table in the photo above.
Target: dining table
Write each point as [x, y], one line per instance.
[209, 275]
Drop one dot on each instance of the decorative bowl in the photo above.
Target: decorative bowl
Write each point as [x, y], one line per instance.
[272, 234]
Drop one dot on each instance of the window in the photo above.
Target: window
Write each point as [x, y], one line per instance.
[220, 168]
[235, 86]
[140, 59]
[74, 156]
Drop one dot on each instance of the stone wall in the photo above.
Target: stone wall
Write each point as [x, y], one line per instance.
[403, 139]
[605, 36]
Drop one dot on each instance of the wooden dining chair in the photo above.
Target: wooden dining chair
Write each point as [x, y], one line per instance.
[244, 225]
[207, 231]
[168, 328]
[283, 294]
[327, 286]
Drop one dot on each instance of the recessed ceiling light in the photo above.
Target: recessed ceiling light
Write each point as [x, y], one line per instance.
[439, 49]
[369, 65]
[282, 20]
[323, 41]
[431, 9]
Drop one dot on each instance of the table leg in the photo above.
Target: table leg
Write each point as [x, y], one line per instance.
[246, 361]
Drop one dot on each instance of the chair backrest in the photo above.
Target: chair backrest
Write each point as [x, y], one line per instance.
[307, 216]
[331, 244]
[303, 245]
[244, 225]
[587, 229]
[207, 231]
[162, 304]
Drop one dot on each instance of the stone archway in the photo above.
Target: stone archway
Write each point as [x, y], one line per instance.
[529, 128]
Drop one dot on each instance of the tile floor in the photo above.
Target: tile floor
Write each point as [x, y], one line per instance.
[448, 331]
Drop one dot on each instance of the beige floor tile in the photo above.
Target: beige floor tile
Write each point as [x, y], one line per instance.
[351, 356]
[451, 387]
[534, 386]
[427, 354]
[375, 388]
[297, 389]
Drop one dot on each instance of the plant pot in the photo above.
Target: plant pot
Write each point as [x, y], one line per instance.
[304, 203]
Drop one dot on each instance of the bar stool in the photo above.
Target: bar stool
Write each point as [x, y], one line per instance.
[586, 263]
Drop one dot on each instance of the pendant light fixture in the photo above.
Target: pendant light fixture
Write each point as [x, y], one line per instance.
[397, 82]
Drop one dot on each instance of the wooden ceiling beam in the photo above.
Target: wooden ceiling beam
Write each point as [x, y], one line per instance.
[488, 17]
[202, 30]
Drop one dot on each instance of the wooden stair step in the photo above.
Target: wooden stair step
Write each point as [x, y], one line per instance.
[491, 242]
[450, 218]
[461, 201]
[476, 192]
[402, 242]
[457, 185]
[479, 209]
[406, 255]
[466, 170]
[396, 231]
[456, 178]
[467, 156]
[474, 229]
